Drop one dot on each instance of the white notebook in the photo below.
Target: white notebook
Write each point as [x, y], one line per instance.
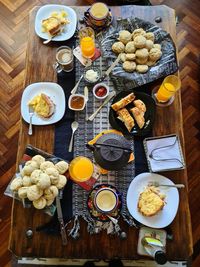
[164, 153]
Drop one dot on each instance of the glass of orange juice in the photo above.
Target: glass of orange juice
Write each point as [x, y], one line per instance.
[168, 88]
[87, 42]
[81, 169]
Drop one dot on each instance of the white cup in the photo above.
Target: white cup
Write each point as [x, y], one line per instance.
[105, 200]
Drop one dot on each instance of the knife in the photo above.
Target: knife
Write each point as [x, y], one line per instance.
[86, 100]
[110, 68]
[109, 97]
[60, 219]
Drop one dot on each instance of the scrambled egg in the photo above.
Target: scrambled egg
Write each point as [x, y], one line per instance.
[40, 106]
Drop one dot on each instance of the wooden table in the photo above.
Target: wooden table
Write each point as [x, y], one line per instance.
[168, 120]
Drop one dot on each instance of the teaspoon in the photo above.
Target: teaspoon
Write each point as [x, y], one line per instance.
[74, 127]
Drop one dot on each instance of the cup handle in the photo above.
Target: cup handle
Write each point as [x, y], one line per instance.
[86, 14]
[57, 67]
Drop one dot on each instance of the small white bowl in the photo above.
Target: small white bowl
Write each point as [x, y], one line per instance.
[76, 95]
[100, 85]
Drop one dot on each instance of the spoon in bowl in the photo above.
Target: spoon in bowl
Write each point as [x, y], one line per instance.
[74, 127]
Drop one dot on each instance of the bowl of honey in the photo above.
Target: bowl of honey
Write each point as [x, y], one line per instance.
[76, 102]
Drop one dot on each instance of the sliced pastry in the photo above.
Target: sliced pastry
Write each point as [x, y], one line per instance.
[140, 105]
[150, 202]
[126, 118]
[123, 102]
[51, 25]
[138, 116]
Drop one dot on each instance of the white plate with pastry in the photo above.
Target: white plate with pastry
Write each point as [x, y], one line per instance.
[48, 101]
[132, 113]
[58, 20]
[159, 208]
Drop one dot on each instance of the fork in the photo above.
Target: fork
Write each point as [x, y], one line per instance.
[157, 184]
[31, 113]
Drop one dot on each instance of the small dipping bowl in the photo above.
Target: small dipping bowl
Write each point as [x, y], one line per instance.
[106, 200]
[91, 75]
[76, 102]
[101, 91]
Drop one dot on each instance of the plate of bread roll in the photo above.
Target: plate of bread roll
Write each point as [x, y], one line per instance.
[132, 113]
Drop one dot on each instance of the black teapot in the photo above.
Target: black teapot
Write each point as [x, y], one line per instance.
[111, 151]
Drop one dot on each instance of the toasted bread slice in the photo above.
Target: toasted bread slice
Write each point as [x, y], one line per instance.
[150, 202]
[51, 25]
[126, 118]
[138, 116]
[123, 102]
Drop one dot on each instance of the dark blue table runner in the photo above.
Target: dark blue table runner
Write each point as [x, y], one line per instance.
[61, 143]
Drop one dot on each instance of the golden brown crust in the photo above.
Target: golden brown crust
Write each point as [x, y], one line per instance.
[138, 116]
[126, 118]
[123, 102]
[140, 105]
[150, 202]
[52, 25]
[50, 104]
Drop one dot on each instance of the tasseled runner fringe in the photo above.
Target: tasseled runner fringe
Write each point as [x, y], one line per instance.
[74, 233]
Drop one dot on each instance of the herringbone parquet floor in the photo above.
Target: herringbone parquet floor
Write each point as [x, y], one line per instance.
[14, 20]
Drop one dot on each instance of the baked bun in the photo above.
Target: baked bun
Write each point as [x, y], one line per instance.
[16, 184]
[40, 203]
[62, 166]
[150, 201]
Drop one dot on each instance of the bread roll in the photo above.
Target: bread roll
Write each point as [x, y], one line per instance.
[62, 166]
[16, 184]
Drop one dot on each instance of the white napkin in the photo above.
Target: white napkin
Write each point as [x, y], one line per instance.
[172, 152]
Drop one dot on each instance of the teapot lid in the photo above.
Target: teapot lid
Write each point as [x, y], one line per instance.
[113, 150]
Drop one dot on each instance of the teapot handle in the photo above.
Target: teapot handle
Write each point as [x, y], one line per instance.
[91, 147]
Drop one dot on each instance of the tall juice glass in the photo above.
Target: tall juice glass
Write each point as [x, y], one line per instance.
[87, 42]
[168, 88]
[81, 169]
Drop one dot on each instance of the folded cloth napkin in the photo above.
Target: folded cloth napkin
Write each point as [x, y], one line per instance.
[164, 153]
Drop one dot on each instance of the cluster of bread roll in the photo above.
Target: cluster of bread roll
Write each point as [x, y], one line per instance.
[40, 180]
[138, 50]
[137, 111]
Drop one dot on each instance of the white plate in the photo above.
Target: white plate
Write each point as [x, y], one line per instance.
[45, 11]
[167, 214]
[54, 91]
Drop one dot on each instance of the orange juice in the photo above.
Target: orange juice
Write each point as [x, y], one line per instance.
[87, 41]
[166, 91]
[87, 47]
[168, 88]
[81, 169]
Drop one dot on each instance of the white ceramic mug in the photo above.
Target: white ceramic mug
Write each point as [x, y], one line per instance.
[106, 200]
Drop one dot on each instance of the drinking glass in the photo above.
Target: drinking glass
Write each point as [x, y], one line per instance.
[81, 169]
[168, 88]
[87, 42]
[64, 59]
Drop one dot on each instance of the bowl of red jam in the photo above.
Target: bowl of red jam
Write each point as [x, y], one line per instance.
[100, 91]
